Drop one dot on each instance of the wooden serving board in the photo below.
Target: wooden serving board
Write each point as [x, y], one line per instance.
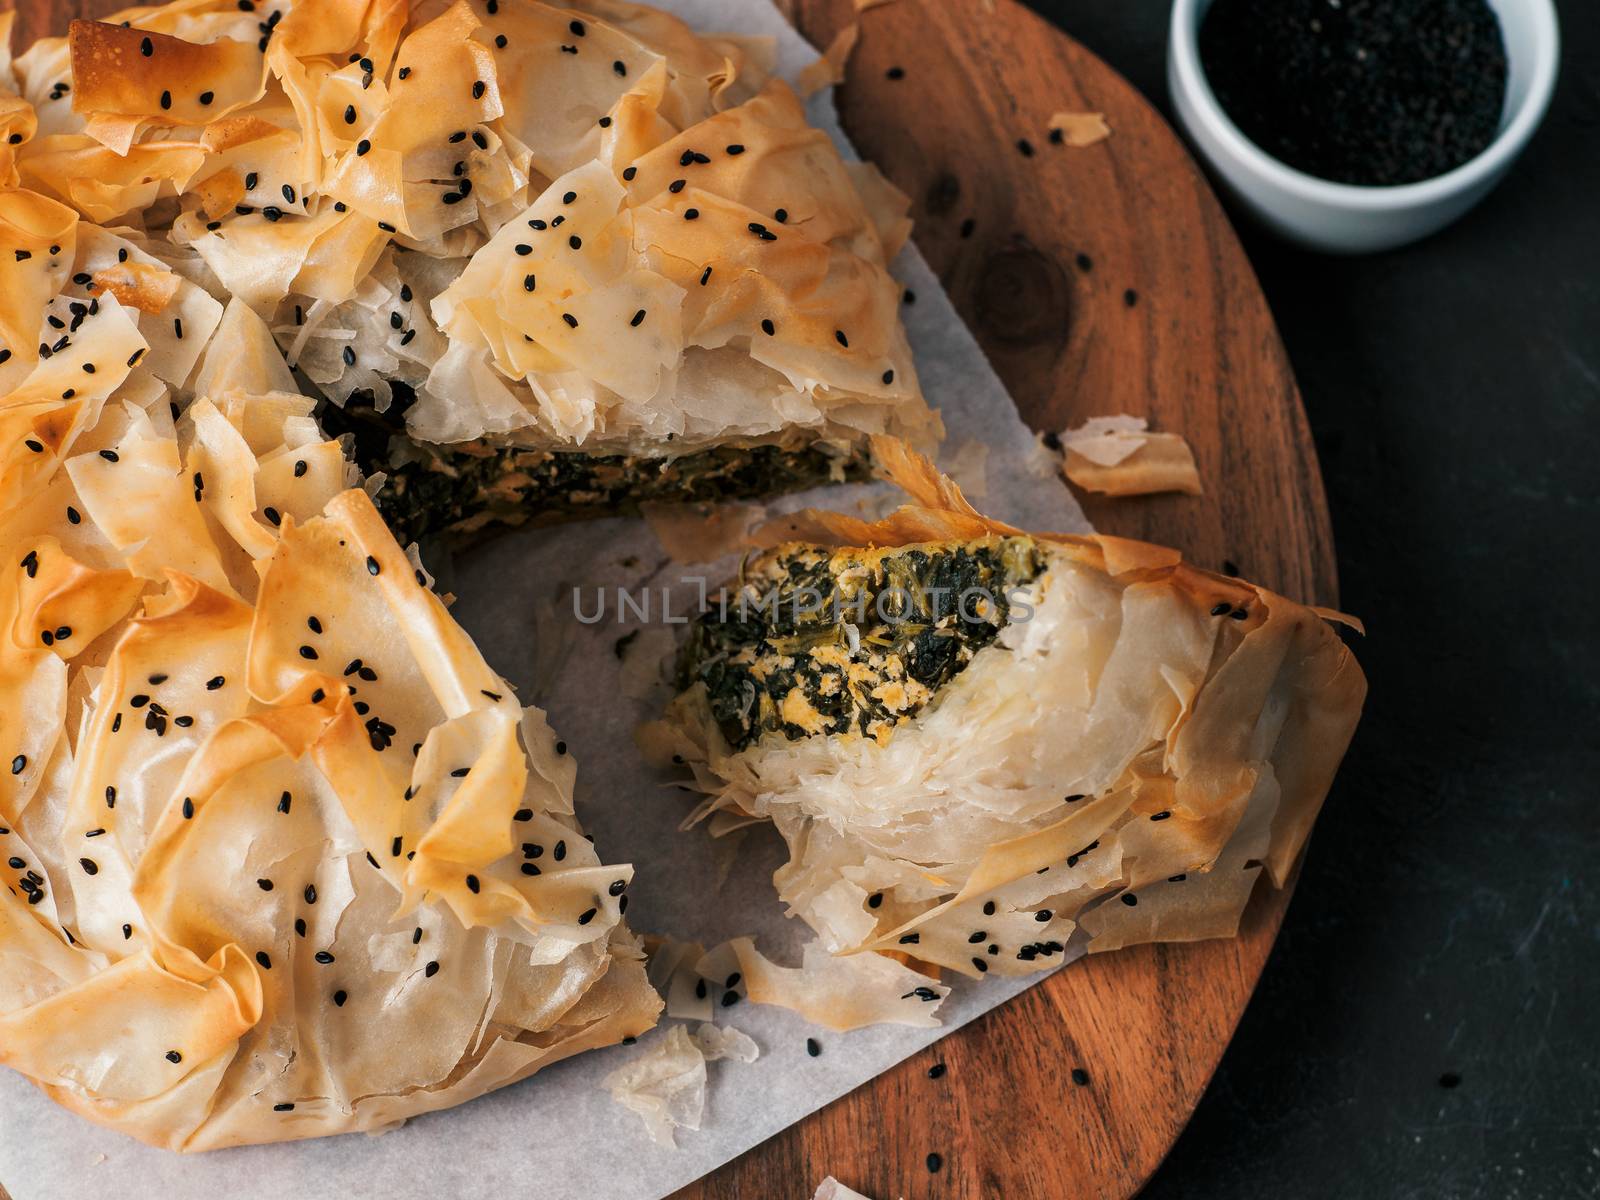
[1099, 280]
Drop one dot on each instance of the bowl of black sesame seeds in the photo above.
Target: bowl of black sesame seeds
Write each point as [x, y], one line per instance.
[1353, 126]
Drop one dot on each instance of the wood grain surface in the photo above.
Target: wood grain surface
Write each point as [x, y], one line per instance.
[1099, 280]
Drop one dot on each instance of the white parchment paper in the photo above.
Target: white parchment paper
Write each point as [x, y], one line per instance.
[559, 1136]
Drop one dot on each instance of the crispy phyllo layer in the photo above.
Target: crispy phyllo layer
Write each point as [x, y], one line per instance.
[588, 227]
[269, 813]
[1117, 764]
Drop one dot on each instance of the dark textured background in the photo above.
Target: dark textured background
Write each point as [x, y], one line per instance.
[1429, 1024]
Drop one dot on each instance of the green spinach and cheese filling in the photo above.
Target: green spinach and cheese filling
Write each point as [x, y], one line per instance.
[821, 641]
[460, 491]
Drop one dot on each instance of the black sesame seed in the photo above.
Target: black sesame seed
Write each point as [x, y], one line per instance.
[575, 242]
[619, 67]
[813, 1047]
[90, 867]
[529, 282]
[838, 336]
[1080, 1076]
[628, 173]
[349, 114]
[1238, 614]
[1129, 899]
[1085, 263]
[934, 1163]
[767, 327]
[111, 797]
[988, 909]
[362, 147]
[895, 73]
[147, 47]
[478, 89]
[349, 356]
[340, 997]
[677, 185]
[638, 319]
[691, 214]
[705, 276]
[283, 1108]
[264, 959]
[478, 139]
[166, 100]
[1130, 297]
[308, 652]
[571, 320]
[264, 884]
[473, 884]
[1220, 610]
[431, 969]
[1025, 147]
[586, 916]
[404, 73]
[980, 965]
[109, 455]
[188, 809]
[936, 1071]
[174, 1057]
[500, 41]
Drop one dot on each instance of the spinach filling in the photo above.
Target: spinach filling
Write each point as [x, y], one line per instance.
[818, 641]
[456, 491]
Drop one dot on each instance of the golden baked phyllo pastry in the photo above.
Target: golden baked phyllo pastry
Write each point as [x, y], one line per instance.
[540, 260]
[978, 742]
[283, 855]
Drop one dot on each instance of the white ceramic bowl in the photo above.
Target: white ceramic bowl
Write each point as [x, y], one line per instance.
[1341, 217]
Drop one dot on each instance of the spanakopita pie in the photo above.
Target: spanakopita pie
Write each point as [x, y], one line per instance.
[541, 260]
[283, 855]
[978, 742]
